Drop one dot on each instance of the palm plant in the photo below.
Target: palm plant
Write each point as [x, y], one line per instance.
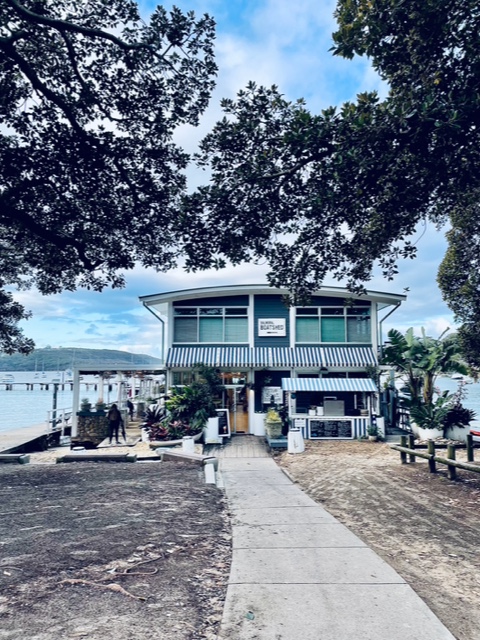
[419, 360]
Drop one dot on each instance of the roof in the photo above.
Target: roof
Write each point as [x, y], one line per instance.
[272, 357]
[329, 384]
[383, 298]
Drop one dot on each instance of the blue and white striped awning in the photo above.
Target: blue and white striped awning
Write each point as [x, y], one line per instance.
[329, 384]
[271, 357]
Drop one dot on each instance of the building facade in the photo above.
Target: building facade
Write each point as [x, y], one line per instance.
[317, 359]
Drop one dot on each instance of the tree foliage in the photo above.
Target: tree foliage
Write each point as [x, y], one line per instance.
[338, 191]
[418, 361]
[90, 96]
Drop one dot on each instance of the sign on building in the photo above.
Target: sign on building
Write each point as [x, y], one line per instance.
[272, 327]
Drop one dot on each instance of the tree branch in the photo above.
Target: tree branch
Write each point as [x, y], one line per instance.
[62, 25]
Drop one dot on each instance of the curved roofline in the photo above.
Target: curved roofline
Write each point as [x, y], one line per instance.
[221, 290]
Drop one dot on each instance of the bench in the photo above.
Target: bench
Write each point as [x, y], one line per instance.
[106, 457]
[180, 456]
[14, 458]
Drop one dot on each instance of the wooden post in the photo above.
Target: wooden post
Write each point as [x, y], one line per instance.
[452, 471]
[470, 447]
[431, 462]
[411, 445]
[403, 455]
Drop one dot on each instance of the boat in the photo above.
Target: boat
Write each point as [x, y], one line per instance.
[7, 379]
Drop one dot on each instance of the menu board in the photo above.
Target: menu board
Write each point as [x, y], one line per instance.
[331, 429]
[223, 422]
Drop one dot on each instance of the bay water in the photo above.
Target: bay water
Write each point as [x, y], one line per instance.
[21, 407]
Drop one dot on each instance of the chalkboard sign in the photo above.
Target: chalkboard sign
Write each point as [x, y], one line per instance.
[223, 422]
[330, 429]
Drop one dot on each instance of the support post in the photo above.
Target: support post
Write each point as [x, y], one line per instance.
[411, 445]
[431, 461]
[452, 471]
[470, 448]
[403, 455]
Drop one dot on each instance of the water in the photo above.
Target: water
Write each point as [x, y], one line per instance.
[23, 408]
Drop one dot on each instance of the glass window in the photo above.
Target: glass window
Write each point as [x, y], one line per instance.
[307, 330]
[333, 329]
[183, 311]
[332, 311]
[235, 312]
[211, 330]
[358, 311]
[211, 311]
[236, 330]
[185, 330]
[359, 329]
[307, 311]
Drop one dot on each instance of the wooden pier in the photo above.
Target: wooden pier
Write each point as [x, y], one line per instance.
[18, 438]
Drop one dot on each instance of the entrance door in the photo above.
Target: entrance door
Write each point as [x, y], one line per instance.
[237, 405]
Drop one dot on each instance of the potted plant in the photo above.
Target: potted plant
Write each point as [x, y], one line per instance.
[100, 406]
[372, 432]
[273, 424]
[85, 405]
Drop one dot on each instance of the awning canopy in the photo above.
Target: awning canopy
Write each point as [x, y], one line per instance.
[329, 384]
[272, 357]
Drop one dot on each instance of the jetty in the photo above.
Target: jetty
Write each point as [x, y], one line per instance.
[18, 438]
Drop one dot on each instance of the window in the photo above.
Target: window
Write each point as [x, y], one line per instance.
[210, 325]
[333, 325]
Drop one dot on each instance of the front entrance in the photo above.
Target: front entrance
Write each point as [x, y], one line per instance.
[236, 401]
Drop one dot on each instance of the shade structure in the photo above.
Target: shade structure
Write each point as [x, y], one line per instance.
[271, 357]
[329, 384]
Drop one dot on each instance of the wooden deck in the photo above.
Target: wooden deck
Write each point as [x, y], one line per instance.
[17, 438]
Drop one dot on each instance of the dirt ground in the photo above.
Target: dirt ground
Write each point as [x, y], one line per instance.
[424, 525]
[111, 551]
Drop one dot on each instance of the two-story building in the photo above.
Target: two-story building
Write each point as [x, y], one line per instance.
[317, 359]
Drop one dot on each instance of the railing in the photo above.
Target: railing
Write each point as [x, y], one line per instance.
[403, 419]
[433, 459]
[58, 420]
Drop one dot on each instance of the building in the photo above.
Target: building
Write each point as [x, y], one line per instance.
[316, 359]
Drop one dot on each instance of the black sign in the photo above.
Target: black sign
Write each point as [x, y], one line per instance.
[223, 423]
[330, 429]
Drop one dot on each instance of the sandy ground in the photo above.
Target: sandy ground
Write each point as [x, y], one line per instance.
[111, 551]
[424, 525]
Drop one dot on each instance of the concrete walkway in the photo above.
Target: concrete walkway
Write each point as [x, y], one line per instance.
[298, 574]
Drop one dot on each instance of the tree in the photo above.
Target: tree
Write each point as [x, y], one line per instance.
[419, 360]
[90, 96]
[336, 192]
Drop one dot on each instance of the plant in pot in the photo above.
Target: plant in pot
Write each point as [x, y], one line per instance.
[372, 432]
[273, 424]
[85, 405]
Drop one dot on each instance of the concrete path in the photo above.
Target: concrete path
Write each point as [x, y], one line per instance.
[298, 574]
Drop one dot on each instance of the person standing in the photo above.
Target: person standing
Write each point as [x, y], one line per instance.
[114, 421]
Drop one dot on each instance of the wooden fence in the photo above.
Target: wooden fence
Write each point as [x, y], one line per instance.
[433, 458]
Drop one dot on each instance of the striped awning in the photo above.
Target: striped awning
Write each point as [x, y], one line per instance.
[329, 384]
[271, 357]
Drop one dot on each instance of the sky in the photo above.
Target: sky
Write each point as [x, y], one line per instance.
[272, 42]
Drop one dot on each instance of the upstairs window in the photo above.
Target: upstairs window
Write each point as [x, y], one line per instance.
[210, 325]
[332, 325]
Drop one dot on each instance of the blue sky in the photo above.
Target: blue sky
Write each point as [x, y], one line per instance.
[271, 42]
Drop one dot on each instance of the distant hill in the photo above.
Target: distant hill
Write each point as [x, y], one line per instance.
[60, 359]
